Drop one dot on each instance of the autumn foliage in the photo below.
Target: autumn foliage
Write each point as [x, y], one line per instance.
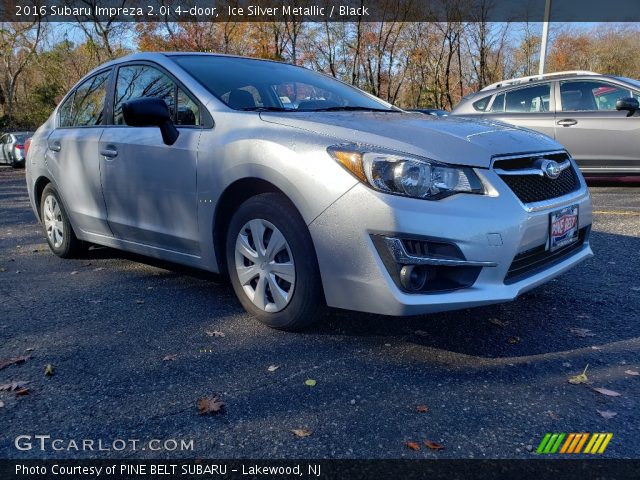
[406, 63]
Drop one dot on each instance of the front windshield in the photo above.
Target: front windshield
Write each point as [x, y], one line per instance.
[248, 84]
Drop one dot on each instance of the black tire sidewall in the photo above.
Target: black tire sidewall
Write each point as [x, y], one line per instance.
[307, 303]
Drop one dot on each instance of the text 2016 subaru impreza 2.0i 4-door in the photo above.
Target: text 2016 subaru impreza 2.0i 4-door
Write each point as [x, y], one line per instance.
[306, 191]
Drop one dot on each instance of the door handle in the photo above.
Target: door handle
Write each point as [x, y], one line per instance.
[55, 147]
[567, 122]
[109, 151]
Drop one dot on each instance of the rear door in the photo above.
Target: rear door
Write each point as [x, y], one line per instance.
[72, 154]
[530, 107]
[150, 188]
[597, 135]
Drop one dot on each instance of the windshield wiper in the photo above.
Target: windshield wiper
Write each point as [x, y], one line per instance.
[349, 108]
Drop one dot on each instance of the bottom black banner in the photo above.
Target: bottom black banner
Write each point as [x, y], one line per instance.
[319, 469]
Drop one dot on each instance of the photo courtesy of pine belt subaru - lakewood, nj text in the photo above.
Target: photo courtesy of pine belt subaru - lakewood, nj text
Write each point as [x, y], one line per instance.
[308, 192]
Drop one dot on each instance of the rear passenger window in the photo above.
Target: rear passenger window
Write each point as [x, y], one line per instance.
[533, 99]
[85, 107]
[498, 104]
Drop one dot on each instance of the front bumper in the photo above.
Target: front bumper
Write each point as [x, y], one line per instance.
[487, 229]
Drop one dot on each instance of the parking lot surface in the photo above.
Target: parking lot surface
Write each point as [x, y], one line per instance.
[134, 344]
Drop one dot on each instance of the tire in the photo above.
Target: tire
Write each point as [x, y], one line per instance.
[280, 295]
[59, 234]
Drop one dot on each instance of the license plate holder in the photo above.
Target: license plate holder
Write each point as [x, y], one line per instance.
[563, 227]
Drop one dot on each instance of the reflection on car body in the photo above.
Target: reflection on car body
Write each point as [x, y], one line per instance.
[304, 190]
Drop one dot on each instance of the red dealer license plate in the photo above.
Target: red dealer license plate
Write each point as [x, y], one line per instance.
[563, 227]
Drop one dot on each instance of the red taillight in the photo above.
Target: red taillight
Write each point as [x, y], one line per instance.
[27, 144]
[19, 146]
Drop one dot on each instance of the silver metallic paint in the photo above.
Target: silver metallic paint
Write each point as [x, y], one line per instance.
[289, 151]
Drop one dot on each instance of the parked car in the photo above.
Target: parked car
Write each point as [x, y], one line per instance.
[12, 148]
[434, 112]
[594, 116]
[333, 197]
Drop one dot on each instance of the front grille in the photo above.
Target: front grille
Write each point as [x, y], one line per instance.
[536, 188]
[536, 259]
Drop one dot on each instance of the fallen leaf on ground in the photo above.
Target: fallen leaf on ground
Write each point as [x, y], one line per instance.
[422, 409]
[497, 322]
[22, 392]
[1, 404]
[607, 392]
[14, 361]
[139, 302]
[582, 332]
[310, 382]
[606, 414]
[412, 445]
[581, 378]
[170, 358]
[11, 386]
[421, 333]
[30, 349]
[48, 370]
[75, 272]
[433, 445]
[2, 269]
[214, 333]
[513, 340]
[632, 372]
[210, 405]
[273, 368]
[301, 432]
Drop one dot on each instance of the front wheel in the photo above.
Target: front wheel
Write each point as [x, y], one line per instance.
[57, 228]
[272, 263]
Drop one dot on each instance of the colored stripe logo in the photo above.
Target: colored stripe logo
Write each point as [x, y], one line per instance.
[593, 443]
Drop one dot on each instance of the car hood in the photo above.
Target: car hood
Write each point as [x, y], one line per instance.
[459, 141]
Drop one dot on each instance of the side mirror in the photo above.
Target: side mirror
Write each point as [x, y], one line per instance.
[629, 104]
[151, 112]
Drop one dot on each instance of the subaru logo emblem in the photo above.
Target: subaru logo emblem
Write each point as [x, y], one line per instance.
[551, 169]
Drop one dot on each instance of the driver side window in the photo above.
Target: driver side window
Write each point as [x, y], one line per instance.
[590, 95]
[139, 81]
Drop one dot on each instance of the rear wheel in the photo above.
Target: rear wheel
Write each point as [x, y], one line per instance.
[272, 263]
[57, 228]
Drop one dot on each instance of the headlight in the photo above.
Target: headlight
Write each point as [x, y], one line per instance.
[406, 175]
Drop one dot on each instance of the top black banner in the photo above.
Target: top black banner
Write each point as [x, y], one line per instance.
[319, 10]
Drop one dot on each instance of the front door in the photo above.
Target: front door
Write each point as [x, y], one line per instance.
[592, 130]
[151, 188]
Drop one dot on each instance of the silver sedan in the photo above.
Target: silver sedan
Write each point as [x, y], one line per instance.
[306, 191]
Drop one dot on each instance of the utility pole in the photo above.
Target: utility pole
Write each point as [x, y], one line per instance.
[545, 36]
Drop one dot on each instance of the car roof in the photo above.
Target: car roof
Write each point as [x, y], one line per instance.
[500, 87]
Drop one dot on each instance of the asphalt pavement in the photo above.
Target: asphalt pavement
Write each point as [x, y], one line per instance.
[135, 343]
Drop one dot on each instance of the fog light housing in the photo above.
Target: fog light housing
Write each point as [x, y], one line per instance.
[413, 277]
